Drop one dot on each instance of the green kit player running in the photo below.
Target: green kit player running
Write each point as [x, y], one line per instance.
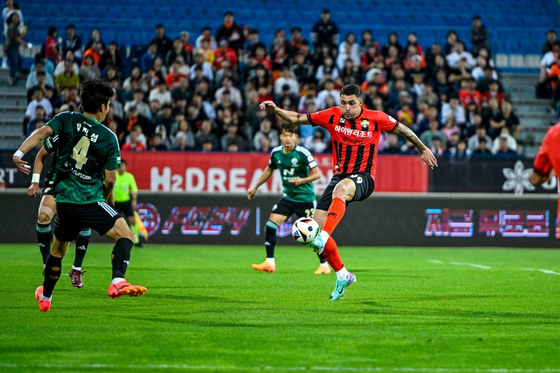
[47, 210]
[88, 159]
[298, 169]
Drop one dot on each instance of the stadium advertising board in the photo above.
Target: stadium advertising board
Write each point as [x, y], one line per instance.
[389, 220]
[487, 175]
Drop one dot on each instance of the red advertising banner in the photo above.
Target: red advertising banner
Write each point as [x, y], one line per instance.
[194, 172]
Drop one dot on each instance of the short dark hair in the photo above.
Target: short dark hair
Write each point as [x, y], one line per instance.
[123, 161]
[350, 89]
[70, 26]
[476, 17]
[95, 93]
[289, 127]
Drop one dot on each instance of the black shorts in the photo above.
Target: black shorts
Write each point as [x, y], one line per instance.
[47, 191]
[285, 207]
[125, 208]
[364, 187]
[72, 218]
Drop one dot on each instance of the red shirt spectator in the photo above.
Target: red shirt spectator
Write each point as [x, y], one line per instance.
[470, 94]
[224, 53]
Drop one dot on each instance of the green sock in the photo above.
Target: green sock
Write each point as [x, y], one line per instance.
[134, 229]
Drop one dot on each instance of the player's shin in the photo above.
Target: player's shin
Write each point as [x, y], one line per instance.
[270, 240]
[44, 238]
[121, 257]
[52, 274]
[334, 215]
[82, 242]
[331, 255]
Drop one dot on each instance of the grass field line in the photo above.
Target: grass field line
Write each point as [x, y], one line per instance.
[547, 271]
[270, 368]
[474, 265]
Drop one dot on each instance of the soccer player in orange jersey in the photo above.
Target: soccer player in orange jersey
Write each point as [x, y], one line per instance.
[547, 163]
[355, 136]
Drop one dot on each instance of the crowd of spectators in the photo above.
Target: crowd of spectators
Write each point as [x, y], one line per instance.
[202, 93]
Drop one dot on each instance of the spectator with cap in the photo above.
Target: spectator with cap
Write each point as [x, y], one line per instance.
[479, 36]
[149, 57]
[325, 31]
[206, 35]
[72, 43]
[177, 51]
[138, 103]
[39, 67]
[95, 52]
[551, 38]
[231, 32]
[163, 43]
[297, 39]
[111, 57]
[222, 53]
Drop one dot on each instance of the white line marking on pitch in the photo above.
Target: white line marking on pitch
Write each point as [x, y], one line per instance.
[461, 264]
[271, 368]
[548, 272]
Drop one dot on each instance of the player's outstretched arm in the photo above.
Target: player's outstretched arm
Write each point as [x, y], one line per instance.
[425, 154]
[314, 174]
[31, 142]
[252, 192]
[288, 115]
[37, 169]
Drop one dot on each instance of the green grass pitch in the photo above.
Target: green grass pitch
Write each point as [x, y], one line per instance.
[207, 310]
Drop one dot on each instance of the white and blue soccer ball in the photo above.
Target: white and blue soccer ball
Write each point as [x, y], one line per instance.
[305, 230]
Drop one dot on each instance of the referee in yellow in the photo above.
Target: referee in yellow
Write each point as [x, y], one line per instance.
[125, 192]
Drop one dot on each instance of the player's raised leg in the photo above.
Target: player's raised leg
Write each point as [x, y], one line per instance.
[120, 258]
[82, 242]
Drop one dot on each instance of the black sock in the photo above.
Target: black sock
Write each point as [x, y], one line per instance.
[82, 242]
[121, 256]
[270, 240]
[44, 237]
[322, 258]
[52, 274]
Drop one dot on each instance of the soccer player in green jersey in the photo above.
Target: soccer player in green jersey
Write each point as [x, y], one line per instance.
[126, 192]
[47, 210]
[298, 169]
[88, 159]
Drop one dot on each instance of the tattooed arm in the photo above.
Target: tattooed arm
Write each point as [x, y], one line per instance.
[425, 153]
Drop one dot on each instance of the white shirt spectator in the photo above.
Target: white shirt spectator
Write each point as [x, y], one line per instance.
[320, 74]
[512, 143]
[322, 96]
[453, 59]
[548, 60]
[478, 74]
[234, 94]
[473, 142]
[162, 97]
[281, 81]
[459, 113]
[143, 108]
[207, 71]
[45, 103]
[59, 69]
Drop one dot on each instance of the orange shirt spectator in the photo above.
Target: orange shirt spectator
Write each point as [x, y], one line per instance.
[224, 53]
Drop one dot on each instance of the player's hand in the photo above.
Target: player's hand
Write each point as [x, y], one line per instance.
[111, 199]
[269, 106]
[428, 158]
[296, 180]
[32, 190]
[22, 165]
[251, 193]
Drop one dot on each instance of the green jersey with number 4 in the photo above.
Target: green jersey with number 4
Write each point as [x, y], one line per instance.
[297, 163]
[86, 148]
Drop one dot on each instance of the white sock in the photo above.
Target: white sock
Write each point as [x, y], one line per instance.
[342, 274]
[324, 264]
[116, 280]
[270, 260]
[76, 268]
[325, 236]
[45, 298]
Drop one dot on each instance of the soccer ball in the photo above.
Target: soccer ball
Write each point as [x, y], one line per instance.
[305, 230]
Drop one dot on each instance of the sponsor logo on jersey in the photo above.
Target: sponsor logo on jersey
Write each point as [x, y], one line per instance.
[365, 124]
[350, 132]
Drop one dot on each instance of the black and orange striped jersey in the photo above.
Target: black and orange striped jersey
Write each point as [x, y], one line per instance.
[354, 142]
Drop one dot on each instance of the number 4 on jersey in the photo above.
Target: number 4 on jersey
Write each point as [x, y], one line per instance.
[79, 152]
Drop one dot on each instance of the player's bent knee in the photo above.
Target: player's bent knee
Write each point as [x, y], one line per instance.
[45, 215]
